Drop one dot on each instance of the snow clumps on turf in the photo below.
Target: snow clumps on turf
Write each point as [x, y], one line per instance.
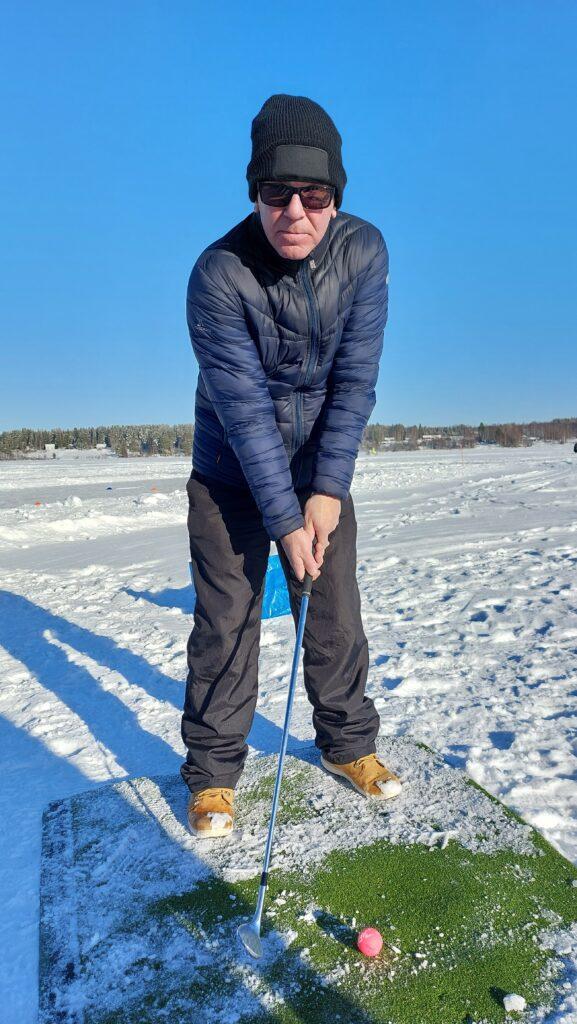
[514, 1002]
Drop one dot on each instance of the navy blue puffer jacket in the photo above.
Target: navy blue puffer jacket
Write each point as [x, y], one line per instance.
[288, 353]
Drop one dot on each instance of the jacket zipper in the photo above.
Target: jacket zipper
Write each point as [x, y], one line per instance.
[298, 431]
[309, 361]
[312, 354]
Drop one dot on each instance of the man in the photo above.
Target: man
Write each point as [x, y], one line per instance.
[286, 314]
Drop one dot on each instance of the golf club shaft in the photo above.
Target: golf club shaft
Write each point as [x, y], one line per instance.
[305, 594]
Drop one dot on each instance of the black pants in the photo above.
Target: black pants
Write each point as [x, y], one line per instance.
[229, 548]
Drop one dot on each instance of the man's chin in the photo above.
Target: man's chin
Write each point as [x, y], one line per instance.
[293, 252]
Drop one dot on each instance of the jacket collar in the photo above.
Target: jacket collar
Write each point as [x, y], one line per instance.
[270, 255]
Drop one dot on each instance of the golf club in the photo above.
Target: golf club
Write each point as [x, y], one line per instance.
[249, 933]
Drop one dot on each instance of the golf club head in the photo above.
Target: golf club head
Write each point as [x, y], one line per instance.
[250, 938]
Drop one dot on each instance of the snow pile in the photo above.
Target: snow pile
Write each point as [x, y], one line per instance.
[219, 819]
[390, 787]
[564, 943]
[151, 499]
[514, 1002]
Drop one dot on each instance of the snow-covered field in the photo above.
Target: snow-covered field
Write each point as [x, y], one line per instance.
[467, 570]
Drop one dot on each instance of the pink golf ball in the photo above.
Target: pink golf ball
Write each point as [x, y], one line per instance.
[370, 942]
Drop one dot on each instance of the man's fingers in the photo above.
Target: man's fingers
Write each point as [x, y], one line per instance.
[310, 565]
[312, 568]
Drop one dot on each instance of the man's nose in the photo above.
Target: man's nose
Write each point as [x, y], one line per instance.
[295, 208]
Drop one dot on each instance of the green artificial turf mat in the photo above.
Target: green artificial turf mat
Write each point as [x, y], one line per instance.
[138, 918]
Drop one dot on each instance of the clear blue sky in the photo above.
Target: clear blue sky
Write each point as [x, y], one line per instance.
[126, 127]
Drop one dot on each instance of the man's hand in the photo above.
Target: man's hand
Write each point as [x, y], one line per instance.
[298, 548]
[321, 513]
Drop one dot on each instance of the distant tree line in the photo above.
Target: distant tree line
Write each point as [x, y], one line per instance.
[462, 435]
[163, 439]
[146, 439]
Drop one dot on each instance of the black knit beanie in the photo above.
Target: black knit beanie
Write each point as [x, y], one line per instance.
[294, 138]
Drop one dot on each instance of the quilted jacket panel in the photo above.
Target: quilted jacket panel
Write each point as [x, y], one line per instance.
[288, 354]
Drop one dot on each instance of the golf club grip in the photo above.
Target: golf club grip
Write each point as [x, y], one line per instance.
[308, 581]
[307, 584]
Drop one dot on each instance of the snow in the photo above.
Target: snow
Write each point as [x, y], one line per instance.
[466, 569]
[390, 788]
[219, 819]
[514, 1002]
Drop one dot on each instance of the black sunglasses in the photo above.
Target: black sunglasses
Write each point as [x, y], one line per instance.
[313, 197]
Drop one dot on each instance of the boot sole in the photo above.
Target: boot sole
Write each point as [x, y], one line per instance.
[334, 770]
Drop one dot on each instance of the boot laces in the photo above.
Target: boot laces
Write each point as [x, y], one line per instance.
[370, 764]
[213, 791]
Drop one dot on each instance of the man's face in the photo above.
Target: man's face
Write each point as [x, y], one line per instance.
[292, 230]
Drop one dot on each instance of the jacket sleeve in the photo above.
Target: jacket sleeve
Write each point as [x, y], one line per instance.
[236, 384]
[351, 395]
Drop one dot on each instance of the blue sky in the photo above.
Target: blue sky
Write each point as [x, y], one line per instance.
[127, 135]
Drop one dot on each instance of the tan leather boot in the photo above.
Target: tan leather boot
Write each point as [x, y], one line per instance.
[210, 812]
[368, 775]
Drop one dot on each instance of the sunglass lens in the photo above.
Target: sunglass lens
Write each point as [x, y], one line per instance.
[274, 194]
[316, 198]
